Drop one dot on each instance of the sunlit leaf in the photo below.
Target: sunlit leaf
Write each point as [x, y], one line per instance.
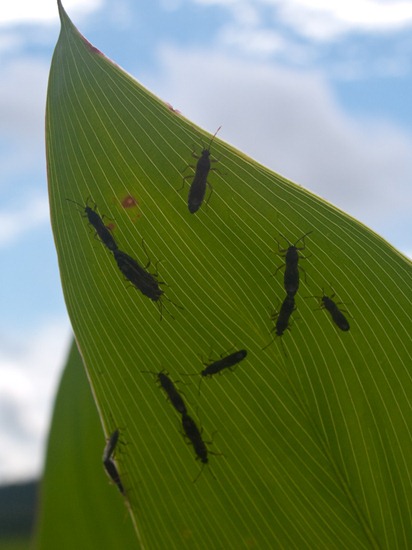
[312, 433]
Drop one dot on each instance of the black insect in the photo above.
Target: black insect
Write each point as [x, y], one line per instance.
[168, 386]
[192, 432]
[224, 363]
[111, 445]
[138, 275]
[282, 317]
[337, 316]
[142, 279]
[221, 364]
[172, 393]
[108, 461]
[291, 255]
[97, 222]
[111, 469]
[194, 435]
[197, 189]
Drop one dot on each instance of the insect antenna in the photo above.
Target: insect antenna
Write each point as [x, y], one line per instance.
[161, 305]
[198, 475]
[194, 374]
[281, 343]
[296, 242]
[76, 203]
[213, 137]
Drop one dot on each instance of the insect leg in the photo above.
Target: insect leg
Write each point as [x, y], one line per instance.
[211, 191]
[147, 255]
[184, 178]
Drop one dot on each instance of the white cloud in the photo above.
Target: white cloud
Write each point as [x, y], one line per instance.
[9, 41]
[255, 41]
[27, 217]
[352, 39]
[325, 18]
[22, 111]
[42, 11]
[29, 374]
[290, 122]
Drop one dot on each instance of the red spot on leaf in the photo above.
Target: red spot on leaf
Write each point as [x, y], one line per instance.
[129, 202]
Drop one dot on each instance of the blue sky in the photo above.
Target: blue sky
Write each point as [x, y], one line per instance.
[317, 90]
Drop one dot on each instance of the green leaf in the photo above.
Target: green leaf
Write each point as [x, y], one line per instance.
[311, 433]
[79, 508]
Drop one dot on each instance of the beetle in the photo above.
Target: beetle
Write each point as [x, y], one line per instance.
[172, 393]
[224, 363]
[192, 432]
[108, 461]
[291, 255]
[197, 189]
[217, 366]
[143, 280]
[97, 222]
[138, 276]
[111, 445]
[170, 389]
[282, 317]
[113, 473]
[336, 314]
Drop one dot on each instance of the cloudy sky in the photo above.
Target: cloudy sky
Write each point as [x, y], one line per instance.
[318, 90]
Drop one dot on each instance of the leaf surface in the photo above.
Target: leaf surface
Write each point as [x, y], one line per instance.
[311, 433]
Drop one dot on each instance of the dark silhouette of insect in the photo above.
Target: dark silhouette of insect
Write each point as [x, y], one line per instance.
[282, 317]
[217, 366]
[338, 318]
[111, 445]
[168, 386]
[142, 279]
[138, 276]
[97, 222]
[192, 432]
[111, 469]
[197, 189]
[224, 363]
[194, 435]
[291, 255]
[108, 462]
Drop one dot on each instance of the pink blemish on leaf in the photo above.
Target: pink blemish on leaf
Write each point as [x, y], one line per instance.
[90, 46]
[129, 202]
[111, 226]
[170, 107]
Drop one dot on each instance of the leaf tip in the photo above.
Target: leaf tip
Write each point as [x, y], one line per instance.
[62, 12]
[66, 22]
[64, 18]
